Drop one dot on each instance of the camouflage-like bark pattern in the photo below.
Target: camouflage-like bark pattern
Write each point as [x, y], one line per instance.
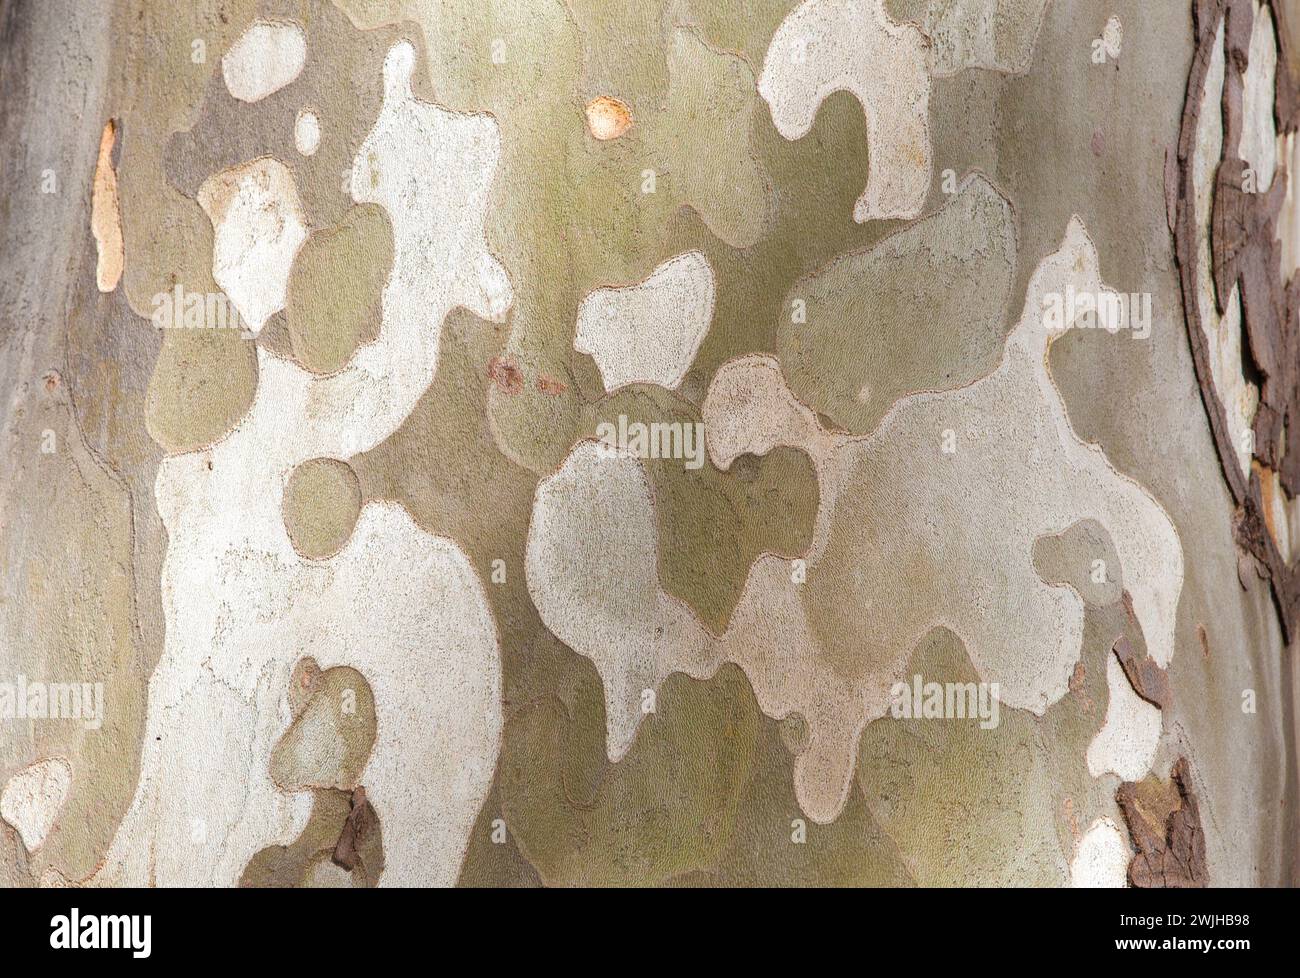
[647, 442]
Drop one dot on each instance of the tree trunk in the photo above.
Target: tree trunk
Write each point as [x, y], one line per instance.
[647, 442]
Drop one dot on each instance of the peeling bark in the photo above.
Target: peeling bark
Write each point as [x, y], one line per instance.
[1164, 822]
[1245, 255]
[355, 831]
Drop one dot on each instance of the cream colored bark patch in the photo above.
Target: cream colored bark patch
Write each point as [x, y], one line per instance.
[1112, 37]
[649, 333]
[827, 636]
[31, 799]
[608, 117]
[402, 607]
[827, 45]
[1288, 219]
[592, 566]
[1102, 857]
[996, 35]
[1258, 146]
[105, 214]
[258, 226]
[267, 57]
[1126, 744]
[306, 132]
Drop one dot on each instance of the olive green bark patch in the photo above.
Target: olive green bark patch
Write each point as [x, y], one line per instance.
[492, 857]
[660, 812]
[714, 524]
[616, 59]
[970, 806]
[925, 309]
[774, 843]
[67, 615]
[14, 872]
[442, 464]
[321, 504]
[336, 288]
[299, 863]
[329, 741]
[169, 52]
[967, 806]
[743, 27]
[704, 139]
[203, 383]
[1083, 557]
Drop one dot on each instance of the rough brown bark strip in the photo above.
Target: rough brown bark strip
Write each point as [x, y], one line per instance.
[1164, 821]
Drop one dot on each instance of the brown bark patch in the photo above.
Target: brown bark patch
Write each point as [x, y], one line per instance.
[355, 829]
[1164, 822]
[1246, 255]
[1147, 679]
[551, 387]
[506, 375]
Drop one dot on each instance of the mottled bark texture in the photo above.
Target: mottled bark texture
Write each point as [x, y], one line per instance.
[649, 442]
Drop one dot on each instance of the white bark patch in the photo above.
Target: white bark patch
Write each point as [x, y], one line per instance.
[996, 35]
[1018, 465]
[1112, 36]
[824, 46]
[267, 57]
[1288, 219]
[32, 798]
[1126, 744]
[1258, 147]
[404, 608]
[1102, 857]
[1222, 333]
[649, 333]
[592, 566]
[258, 227]
[306, 132]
